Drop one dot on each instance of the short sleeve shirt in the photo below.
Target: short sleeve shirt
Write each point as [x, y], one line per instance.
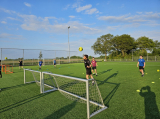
[141, 62]
[40, 63]
[87, 63]
[94, 63]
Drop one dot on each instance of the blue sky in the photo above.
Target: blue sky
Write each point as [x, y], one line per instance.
[43, 24]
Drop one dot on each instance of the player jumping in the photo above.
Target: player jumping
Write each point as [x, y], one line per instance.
[40, 64]
[141, 63]
[94, 64]
[88, 68]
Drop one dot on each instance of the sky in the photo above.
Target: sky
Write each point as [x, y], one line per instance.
[43, 24]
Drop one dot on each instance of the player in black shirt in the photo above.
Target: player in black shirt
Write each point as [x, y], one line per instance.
[20, 64]
[87, 65]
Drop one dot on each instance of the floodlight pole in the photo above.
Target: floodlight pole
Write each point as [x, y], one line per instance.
[68, 44]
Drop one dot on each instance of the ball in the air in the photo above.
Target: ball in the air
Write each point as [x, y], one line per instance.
[157, 70]
[80, 49]
[6, 58]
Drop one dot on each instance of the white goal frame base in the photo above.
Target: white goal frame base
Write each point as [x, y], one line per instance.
[42, 84]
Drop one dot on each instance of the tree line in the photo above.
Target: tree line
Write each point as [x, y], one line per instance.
[124, 46]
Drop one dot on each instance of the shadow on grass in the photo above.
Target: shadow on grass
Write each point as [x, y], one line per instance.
[12, 87]
[111, 94]
[102, 82]
[151, 108]
[100, 73]
[22, 102]
[61, 112]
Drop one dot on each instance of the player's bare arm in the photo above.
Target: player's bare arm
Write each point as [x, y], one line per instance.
[137, 64]
[144, 65]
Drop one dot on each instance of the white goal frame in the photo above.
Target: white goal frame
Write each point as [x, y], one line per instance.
[42, 84]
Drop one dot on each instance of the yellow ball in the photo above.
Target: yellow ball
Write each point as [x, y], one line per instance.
[6, 58]
[157, 70]
[80, 49]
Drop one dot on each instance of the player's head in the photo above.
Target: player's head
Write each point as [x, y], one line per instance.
[85, 57]
[141, 56]
[93, 58]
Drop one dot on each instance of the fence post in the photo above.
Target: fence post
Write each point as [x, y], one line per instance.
[32, 61]
[1, 56]
[23, 57]
[155, 58]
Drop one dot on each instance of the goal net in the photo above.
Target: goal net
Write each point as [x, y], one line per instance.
[32, 76]
[77, 89]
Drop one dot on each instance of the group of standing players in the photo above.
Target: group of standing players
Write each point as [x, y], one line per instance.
[88, 65]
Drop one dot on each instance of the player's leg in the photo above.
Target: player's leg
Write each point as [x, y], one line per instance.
[95, 71]
[142, 73]
[92, 71]
[87, 76]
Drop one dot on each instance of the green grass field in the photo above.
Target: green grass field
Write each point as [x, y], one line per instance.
[117, 81]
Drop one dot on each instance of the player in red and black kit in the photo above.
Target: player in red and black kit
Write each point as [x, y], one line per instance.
[94, 64]
[87, 65]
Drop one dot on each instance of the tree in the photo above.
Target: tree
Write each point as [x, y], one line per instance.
[123, 43]
[103, 45]
[40, 55]
[145, 43]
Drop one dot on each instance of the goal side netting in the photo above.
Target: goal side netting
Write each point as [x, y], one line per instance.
[77, 89]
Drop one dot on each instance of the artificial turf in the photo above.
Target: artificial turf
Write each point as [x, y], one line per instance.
[118, 83]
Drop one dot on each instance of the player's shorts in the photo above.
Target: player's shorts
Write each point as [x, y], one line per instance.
[88, 71]
[20, 64]
[40, 65]
[93, 68]
[54, 63]
[141, 67]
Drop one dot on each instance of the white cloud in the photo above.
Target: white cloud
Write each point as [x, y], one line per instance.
[3, 22]
[11, 36]
[79, 9]
[139, 12]
[91, 11]
[67, 6]
[72, 16]
[155, 35]
[34, 23]
[146, 17]
[27, 4]
[7, 11]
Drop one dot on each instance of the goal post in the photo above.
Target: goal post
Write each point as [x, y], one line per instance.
[77, 89]
[32, 76]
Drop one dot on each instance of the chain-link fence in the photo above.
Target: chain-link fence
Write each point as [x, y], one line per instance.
[11, 56]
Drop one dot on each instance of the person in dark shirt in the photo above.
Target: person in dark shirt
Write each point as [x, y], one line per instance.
[0, 70]
[87, 65]
[20, 64]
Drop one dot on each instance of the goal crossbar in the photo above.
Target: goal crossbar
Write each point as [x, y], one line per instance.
[51, 77]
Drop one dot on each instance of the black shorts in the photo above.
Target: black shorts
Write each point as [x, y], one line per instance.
[20, 64]
[54, 63]
[88, 71]
[93, 68]
[141, 67]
